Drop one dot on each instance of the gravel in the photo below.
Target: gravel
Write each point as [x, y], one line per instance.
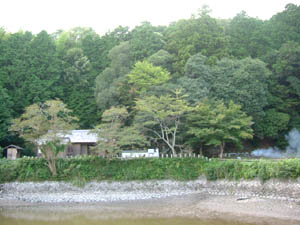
[62, 192]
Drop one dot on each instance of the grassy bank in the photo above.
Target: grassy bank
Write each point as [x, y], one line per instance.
[80, 170]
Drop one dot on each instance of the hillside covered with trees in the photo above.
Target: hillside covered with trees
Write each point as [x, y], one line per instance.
[198, 83]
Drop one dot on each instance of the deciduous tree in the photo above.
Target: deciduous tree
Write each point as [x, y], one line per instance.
[114, 136]
[45, 125]
[162, 116]
[217, 124]
[144, 75]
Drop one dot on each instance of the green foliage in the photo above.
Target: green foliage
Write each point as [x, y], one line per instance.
[273, 123]
[109, 81]
[162, 58]
[144, 75]
[5, 114]
[162, 116]
[206, 58]
[45, 125]
[80, 64]
[29, 69]
[285, 91]
[145, 41]
[244, 82]
[247, 37]
[38, 119]
[114, 135]
[197, 67]
[214, 123]
[91, 168]
[202, 33]
[283, 26]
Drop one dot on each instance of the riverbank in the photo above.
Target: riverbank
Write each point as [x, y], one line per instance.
[272, 202]
[64, 192]
[219, 209]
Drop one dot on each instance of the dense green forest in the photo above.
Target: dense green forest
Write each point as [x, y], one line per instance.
[243, 68]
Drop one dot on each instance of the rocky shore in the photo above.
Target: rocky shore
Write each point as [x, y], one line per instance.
[62, 192]
[237, 202]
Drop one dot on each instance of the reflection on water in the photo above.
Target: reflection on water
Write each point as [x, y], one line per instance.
[81, 220]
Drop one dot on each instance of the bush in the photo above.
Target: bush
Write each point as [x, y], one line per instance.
[88, 168]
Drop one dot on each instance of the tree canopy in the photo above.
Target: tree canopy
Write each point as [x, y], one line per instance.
[162, 116]
[214, 123]
[248, 61]
[45, 124]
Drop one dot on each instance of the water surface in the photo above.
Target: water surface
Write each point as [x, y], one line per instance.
[82, 220]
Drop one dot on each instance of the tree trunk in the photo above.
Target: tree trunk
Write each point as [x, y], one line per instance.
[222, 147]
[51, 160]
[173, 149]
[52, 167]
[201, 150]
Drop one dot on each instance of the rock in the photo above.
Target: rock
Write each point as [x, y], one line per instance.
[133, 190]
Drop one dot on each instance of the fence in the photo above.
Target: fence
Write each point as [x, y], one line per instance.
[180, 155]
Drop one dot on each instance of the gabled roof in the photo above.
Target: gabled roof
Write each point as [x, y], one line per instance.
[82, 136]
[13, 146]
[134, 151]
[73, 136]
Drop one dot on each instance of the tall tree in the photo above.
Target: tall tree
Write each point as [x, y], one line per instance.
[247, 37]
[161, 117]
[201, 33]
[45, 125]
[78, 77]
[144, 75]
[217, 124]
[162, 58]
[5, 115]
[114, 135]
[284, 26]
[31, 69]
[109, 81]
[145, 41]
[285, 90]
[245, 82]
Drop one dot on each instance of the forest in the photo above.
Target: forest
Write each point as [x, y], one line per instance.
[197, 84]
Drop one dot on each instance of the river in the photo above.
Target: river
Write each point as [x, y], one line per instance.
[82, 220]
[187, 209]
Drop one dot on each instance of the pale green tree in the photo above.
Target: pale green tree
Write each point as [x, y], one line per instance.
[114, 136]
[162, 116]
[144, 75]
[45, 125]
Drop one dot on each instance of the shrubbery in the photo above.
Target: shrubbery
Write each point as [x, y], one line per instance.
[81, 170]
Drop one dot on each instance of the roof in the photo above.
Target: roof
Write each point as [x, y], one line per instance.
[82, 136]
[74, 136]
[13, 146]
[135, 151]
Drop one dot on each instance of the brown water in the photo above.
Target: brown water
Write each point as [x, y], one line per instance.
[186, 210]
[82, 220]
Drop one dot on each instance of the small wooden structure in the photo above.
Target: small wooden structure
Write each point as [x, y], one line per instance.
[13, 151]
[81, 141]
[78, 142]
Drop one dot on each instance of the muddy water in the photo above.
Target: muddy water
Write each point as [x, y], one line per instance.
[181, 210]
[82, 220]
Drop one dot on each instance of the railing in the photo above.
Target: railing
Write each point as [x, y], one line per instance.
[162, 155]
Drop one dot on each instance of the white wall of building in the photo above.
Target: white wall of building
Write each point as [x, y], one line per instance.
[151, 153]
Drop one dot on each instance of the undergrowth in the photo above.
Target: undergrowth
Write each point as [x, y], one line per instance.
[88, 168]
